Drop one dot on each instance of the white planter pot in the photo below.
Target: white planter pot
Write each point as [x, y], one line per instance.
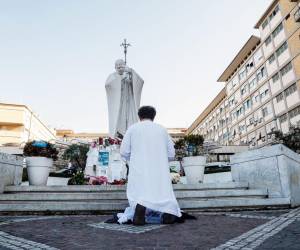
[38, 170]
[194, 167]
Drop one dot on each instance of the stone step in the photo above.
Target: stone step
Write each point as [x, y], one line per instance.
[113, 206]
[121, 195]
[102, 188]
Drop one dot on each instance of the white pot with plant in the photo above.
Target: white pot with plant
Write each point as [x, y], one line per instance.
[190, 151]
[39, 159]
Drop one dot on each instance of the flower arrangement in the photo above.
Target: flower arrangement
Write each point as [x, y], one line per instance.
[190, 145]
[41, 149]
[175, 177]
[99, 180]
[109, 141]
[118, 182]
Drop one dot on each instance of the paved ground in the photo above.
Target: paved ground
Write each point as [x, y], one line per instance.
[232, 230]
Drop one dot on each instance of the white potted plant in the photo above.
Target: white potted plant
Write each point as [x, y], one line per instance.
[39, 159]
[190, 151]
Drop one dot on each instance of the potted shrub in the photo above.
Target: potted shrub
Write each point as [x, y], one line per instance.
[39, 159]
[189, 151]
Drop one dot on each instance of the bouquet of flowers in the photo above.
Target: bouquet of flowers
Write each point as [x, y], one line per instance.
[100, 180]
[109, 141]
[40, 148]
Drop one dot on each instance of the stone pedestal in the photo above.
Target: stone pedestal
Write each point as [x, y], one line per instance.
[11, 169]
[276, 168]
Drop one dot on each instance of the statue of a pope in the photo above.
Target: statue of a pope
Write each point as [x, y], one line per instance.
[123, 91]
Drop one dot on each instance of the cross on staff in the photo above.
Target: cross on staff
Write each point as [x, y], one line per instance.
[125, 45]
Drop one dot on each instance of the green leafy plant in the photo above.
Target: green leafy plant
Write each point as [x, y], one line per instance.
[190, 145]
[40, 148]
[76, 154]
[78, 179]
[290, 139]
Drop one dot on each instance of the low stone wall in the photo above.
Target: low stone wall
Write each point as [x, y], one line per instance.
[11, 169]
[218, 177]
[276, 168]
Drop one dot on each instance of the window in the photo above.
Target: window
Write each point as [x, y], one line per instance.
[258, 57]
[243, 89]
[252, 83]
[293, 113]
[234, 81]
[265, 111]
[271, 59]
[242, 74]
[240, 111]
[275, 78]
[242, 128]
[277, 30]
[264, 94]
[247, 104]
[265, 24]
[283, 118]
[249, 66]
[279, 98]
[261, 73]
[282, 48]
[290, 90]
[257, 98]
[274, 13]
[268, 41]
[286, 69]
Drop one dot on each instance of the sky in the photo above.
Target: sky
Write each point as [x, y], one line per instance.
[55, 55]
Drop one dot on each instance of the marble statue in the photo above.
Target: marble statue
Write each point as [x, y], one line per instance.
[123, 92]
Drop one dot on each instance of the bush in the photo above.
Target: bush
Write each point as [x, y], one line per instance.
[190, 145]
[40, 148]
[291, 139]
[78, 179]
[76, 154]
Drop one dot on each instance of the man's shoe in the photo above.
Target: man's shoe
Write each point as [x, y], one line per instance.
[168, 218]
[139, 215]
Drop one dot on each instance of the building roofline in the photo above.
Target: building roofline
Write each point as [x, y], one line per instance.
[32, 113]
[252, 42]
[265, 14]
[221, 95]
[13, 104]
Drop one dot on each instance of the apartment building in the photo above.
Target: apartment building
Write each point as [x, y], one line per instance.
[262, 86]
[18, 124]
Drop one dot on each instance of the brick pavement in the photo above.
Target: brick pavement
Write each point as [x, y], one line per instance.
[211, 230]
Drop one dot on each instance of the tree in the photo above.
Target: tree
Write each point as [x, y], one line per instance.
[76, 154]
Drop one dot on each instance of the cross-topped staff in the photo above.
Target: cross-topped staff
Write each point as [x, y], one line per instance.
[125, 45]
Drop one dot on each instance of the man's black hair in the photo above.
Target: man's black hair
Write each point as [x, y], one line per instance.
[147, 112]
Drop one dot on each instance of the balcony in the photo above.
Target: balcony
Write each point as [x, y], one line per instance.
[297, 15]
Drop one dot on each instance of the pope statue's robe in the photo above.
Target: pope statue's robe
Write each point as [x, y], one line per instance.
[148, 147]
[123, 98]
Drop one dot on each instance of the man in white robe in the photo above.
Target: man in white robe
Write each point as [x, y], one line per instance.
[148, 147]
[123, 91]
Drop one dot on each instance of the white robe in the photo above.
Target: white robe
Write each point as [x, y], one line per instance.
[148, 146]
[113, 93]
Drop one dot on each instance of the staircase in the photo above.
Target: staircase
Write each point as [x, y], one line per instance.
[107, 199]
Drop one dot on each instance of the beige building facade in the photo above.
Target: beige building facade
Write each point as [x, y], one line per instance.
[262, 86]
[68, 135]
[18, 124]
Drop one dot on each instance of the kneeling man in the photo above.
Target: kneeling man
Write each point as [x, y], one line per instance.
[148, 147]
